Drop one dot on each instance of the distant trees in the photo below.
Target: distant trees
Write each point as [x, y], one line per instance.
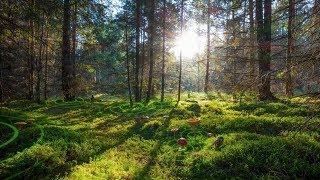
[73, 47]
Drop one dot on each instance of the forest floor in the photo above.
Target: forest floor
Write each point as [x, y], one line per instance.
[107, 139]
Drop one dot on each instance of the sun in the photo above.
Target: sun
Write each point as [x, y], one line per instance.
[190, 43]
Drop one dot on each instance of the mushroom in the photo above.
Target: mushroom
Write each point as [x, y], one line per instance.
[210, 134]
[182, 142]
[20, 124]
[174, 130]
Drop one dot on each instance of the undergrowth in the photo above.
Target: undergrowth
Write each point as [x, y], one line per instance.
[108, 139]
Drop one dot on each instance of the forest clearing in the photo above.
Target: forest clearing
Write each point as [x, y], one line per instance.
[159, 89]
[108, 140]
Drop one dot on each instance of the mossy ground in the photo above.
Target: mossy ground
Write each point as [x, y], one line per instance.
[109, 140]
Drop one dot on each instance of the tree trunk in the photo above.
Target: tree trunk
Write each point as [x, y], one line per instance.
[39, 64]
[206, 82]
[151, 49]
[180, 61]
[252, 44]
[163, 50]
[74, 42]
[46, 65]
[291, 22]
[67, 66]
[1, 74]
[127, 63]
[31, 59]
[137, 65]
[142, 64]
[264, 50]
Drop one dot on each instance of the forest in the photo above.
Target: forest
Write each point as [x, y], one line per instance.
[160, 89]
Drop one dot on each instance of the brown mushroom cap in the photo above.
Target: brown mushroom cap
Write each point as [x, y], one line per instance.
[182, 142]
[20, 123]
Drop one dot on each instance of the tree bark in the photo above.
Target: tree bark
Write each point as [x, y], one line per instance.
[252, 44]
[31, 59]
[137, 64]
[46, 65]
[67, 66]
[39, 63]
[291, 22]
[127, 63]
[264, 48]
[74, 42]
[206, 82]
[151, 49]
[163, 50]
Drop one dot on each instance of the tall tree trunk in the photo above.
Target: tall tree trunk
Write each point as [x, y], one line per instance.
[1, 73]
[206, 82]
[142, 63]
[137, 65]
[163, 49]
[151, 49]
[46, 64]
[74, 42]
[67, 66]
[291, 22]
[264, 50]
[180, 61]
[127, 63]
[39, 63]
[252, 44]
[31, 58]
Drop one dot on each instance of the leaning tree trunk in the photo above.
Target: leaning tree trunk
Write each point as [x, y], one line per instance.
[67, 66]
[151, 49]
[264, 48]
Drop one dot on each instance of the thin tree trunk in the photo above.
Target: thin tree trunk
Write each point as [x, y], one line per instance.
[46, 65]
[180, 61]
[163, 50]
[252, 47]
[127, 64]
[291, 22]
[137, 65]
[39, 64]
[142, 64]
[74, 42]
[206, 82]
[1, 73]
[31, 59]
[151, 51]
[67, 66]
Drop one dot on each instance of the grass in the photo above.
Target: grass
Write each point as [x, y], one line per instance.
[109, 140]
